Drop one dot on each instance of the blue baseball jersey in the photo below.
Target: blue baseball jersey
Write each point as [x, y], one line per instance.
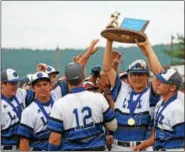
[11, 116]
[169, 129]
[142, 116]
[79, 117]
[33, 125]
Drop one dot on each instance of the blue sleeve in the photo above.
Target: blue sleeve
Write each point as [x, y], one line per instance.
[179, 129]
[29, 97]
[116, 89]
[25, 131]
[154, 98]
[108, 115]
[55, 125]
[64, 88]
[52, 147]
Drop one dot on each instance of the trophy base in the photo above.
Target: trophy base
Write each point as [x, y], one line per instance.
[123, 35]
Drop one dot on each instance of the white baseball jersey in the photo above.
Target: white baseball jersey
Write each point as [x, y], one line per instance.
[79, 117]
[33, 125]
[133, 127]
[169, 124]
[180, 96]
[10, 119]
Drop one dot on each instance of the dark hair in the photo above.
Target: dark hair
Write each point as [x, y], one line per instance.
[74, 82]
[36, 81]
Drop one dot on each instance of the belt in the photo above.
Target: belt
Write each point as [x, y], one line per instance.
[101, 148]
[6, 147]
[126, 143]
[37, 149]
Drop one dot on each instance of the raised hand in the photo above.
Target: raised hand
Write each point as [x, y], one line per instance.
[145, 46]
[138, 148]
[41, 67]
[92, 49]
[77, 57]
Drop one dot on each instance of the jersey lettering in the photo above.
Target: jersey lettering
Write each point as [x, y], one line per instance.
[11, 117]
[85, 118]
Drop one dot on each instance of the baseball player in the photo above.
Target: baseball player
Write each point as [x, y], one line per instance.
[52, 72]
[134, 105]
[169, 113]
[77, 120]
[33, 126]
[12, 104]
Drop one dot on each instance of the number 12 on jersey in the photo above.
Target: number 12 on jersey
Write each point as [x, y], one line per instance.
[88, 115]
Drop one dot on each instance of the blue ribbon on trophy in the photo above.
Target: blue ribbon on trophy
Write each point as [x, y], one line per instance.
[129, 31]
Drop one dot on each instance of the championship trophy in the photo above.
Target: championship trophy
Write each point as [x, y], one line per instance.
[130, 31]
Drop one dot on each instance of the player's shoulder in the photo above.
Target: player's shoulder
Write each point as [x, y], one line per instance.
[30, 109]
[21, 92]
[176, 106]
[91, 94]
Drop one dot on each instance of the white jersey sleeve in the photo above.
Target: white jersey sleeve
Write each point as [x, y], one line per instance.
[56, 93]
[27, 123]
[177, 116]
[55, 122]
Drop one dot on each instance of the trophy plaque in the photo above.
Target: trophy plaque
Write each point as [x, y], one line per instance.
[130, 31]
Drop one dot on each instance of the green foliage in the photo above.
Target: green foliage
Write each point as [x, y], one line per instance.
[24, 60]
[178, 51]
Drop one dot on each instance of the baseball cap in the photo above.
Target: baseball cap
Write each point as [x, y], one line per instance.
[74, 71]
[138, 66]
[39, 76]
[51, 70]
[170, 76]
[26, 79]
[9, 75]
[123, 74]
[95, 70]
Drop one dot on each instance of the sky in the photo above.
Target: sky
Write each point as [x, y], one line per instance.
[73, 24]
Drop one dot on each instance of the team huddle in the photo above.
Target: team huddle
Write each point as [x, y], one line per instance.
[107, 111]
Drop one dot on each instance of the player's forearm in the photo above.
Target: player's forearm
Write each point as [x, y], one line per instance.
[107, 63]
[150, 141]
[154, 62]
[54, 141]
[107, 60]
[24, 144]
[84, 59]
[115, 66]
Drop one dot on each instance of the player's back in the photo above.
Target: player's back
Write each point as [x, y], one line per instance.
[83, 115]
[83, 104]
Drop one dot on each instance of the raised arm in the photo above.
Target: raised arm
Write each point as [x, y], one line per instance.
[148, 51]
[107, 63]
[90, 51]
[153, 60]
[116, 59]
